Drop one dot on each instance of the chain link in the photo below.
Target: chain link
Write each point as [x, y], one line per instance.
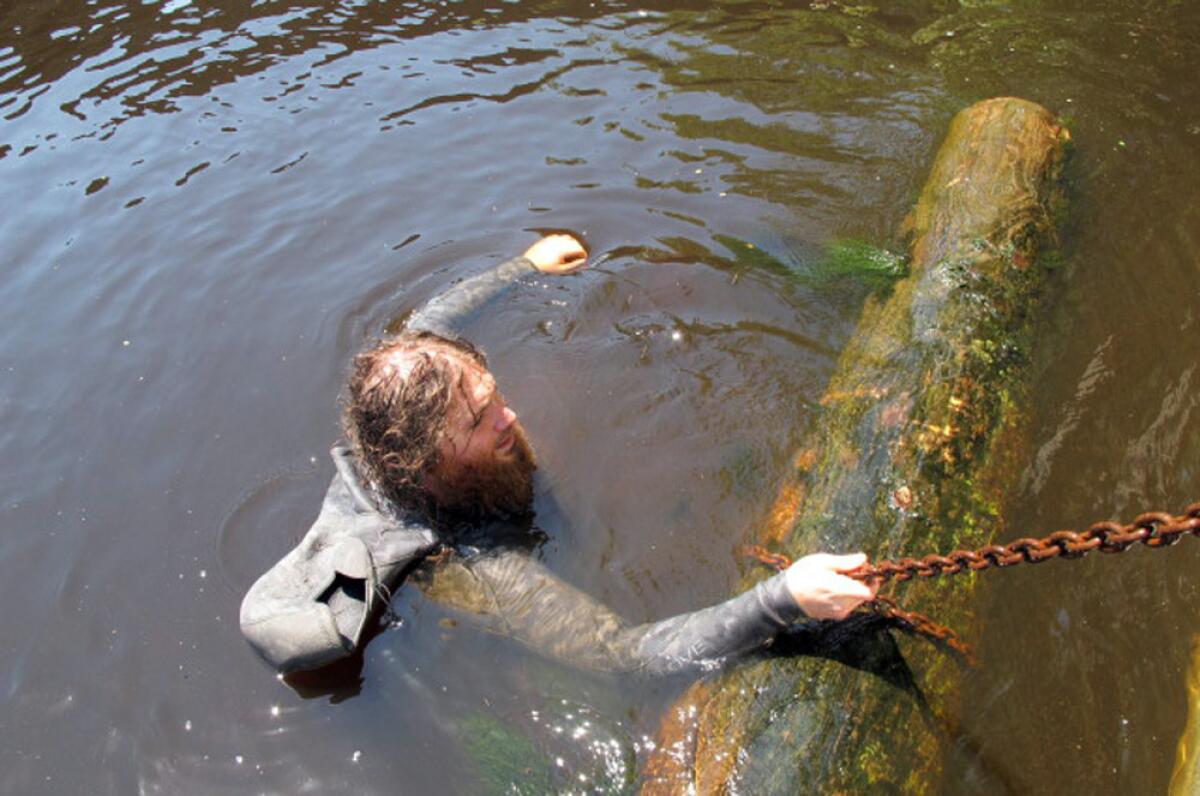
[1154, 529]
[921, 625]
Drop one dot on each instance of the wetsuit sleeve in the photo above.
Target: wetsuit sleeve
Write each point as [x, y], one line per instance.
[519, 597]
[445, 314]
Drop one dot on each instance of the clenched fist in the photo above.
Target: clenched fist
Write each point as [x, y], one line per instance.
[557, 254]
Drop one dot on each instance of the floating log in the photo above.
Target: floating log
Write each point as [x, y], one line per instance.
[921, 438]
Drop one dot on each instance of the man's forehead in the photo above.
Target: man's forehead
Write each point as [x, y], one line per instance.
[477, 383]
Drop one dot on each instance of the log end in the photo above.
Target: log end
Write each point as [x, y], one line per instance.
[990, 179]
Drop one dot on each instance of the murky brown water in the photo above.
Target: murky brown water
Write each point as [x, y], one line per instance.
[208, 207]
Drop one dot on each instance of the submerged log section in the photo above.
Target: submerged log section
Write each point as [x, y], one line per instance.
[921, 438]
[1185, 779]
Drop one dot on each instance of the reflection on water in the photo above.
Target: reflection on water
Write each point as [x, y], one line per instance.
[554, 746]
[209, 207]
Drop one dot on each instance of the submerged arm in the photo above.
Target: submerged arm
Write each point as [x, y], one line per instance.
[517, 596]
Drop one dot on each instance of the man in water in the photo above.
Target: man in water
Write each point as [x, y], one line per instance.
[437, 460]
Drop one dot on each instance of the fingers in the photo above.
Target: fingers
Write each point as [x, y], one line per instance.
[572, 253]
[855, 589]
[848, 562]
[564, 246]
[837, 563]
[847, 596]
[822, 588]
[853, 561]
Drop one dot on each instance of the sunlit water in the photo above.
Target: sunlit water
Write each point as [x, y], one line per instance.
[207, 210]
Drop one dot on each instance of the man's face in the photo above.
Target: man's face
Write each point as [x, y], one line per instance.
[486, 463]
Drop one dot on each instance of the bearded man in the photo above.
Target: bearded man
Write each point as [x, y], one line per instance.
[435, 458]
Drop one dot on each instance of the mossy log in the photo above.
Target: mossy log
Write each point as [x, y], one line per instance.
[920, 439]
[1185, 779]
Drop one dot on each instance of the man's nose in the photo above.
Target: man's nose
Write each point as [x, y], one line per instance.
[507, 418]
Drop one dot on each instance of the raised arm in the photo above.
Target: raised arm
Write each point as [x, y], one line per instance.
[515, 595]
[445, 314]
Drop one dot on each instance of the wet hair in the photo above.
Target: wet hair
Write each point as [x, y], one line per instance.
[395, 411]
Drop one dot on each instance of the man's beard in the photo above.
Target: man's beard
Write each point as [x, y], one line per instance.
[500, 489]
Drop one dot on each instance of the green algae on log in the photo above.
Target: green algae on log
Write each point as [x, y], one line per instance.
[1185, 779]
[919, 442]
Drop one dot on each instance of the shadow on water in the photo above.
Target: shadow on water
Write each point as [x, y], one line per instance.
[338, 681]
[865, 642]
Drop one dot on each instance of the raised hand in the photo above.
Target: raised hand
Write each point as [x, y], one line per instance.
[557, 254]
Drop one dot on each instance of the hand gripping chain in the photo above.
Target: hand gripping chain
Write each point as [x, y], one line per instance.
[886, 607]
[1154, 529]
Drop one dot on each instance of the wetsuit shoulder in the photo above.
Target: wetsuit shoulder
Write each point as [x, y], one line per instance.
[311, 608]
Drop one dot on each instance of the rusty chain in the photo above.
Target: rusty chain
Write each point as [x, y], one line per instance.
[1154, 529]
[921, 625]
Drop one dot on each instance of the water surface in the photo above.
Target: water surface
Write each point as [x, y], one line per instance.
[208, 208]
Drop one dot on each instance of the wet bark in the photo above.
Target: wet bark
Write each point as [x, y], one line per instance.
[1185, 779]
[919, 441]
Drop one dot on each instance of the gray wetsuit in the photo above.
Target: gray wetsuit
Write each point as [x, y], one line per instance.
[312, 608]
